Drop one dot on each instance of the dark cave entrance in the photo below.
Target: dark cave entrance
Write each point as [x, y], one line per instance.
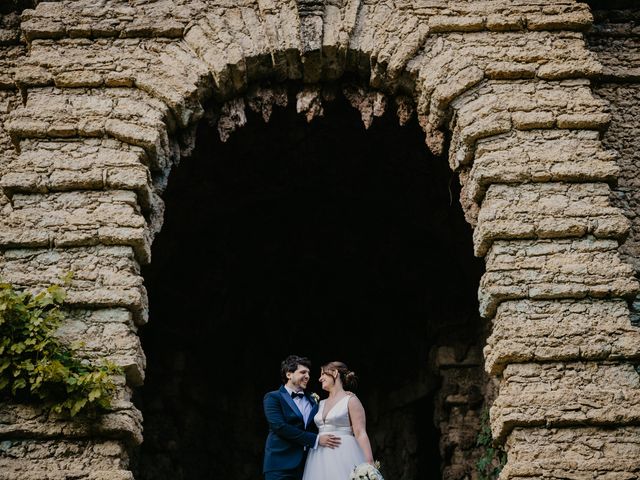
[321, 239]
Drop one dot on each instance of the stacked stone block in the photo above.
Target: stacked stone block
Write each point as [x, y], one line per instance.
[614, 38]
[99, 100]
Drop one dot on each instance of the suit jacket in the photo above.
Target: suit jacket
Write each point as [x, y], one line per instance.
[289, 438]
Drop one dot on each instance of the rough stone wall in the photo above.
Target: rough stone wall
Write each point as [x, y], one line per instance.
[465, 392]
[100, 100]
[615, 39]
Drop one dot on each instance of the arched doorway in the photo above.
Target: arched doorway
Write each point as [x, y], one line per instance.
[322, 239]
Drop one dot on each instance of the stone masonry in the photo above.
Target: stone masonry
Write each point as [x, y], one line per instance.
[99, 100]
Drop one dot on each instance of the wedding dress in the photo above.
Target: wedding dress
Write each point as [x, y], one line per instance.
[324, 463]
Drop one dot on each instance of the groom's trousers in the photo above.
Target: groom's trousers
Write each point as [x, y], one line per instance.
[295, 474]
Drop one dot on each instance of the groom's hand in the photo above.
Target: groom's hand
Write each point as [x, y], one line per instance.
[328, 440]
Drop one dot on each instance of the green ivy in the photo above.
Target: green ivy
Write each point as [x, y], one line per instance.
[36, 366]
[493, 458]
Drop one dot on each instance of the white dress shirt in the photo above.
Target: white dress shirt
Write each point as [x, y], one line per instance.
[303, 404]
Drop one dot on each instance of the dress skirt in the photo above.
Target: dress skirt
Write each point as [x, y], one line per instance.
[324, 463]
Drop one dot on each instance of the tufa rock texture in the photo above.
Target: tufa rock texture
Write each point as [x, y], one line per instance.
[534, 104]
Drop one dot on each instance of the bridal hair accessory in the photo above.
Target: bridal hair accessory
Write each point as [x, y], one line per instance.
[315, 396]
[366, 471]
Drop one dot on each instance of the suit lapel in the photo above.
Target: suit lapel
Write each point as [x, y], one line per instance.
[290, 402]
[314, 410]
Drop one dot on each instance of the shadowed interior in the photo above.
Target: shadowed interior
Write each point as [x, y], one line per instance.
[321, 239]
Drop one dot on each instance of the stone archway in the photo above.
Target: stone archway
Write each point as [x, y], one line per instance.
[106, 99]
[321, 237]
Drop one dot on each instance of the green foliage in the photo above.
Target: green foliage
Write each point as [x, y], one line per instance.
[494, 457]
[35, 366]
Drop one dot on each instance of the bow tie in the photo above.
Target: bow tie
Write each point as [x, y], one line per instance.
[297, 394]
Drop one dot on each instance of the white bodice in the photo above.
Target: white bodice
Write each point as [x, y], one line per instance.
[334, 463]
[335, 420]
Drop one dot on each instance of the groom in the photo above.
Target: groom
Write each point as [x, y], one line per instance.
[292, 431]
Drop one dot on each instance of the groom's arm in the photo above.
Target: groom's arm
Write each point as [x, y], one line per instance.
[275, 417]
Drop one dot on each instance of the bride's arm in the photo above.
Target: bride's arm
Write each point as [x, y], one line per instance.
[359, 425]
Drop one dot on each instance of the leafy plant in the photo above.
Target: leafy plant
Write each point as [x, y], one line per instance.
[493, 458]
[35, 365]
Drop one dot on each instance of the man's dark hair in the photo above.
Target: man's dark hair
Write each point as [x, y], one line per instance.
[290, 364]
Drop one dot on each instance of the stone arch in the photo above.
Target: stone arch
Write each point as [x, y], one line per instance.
[320, 272]
[104, 101]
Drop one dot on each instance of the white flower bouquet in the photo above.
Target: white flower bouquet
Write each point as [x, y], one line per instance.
[366, 471]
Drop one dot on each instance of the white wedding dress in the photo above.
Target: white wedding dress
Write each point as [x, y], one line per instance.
[324, 463]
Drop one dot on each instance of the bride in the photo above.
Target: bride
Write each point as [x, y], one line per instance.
[340, 414]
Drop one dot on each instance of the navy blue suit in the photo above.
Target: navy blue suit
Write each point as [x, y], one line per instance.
[289, 438]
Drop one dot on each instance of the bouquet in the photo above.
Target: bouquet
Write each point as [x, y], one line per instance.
[366, 471]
